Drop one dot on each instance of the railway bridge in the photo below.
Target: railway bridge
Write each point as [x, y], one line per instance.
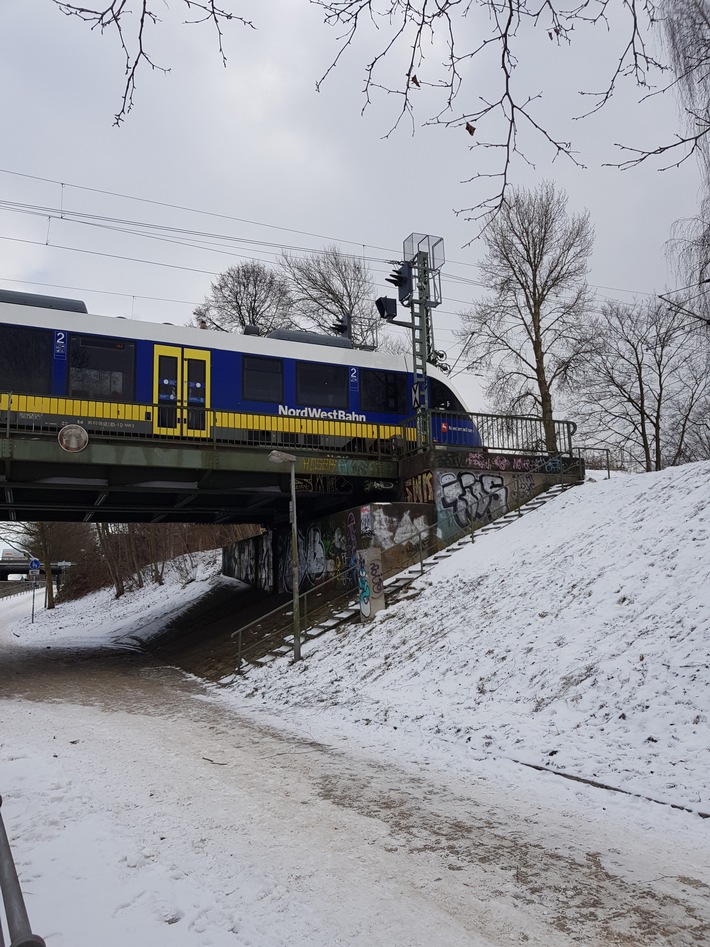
[69, 475]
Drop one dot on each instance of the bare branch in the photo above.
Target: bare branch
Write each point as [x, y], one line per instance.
[125, 22]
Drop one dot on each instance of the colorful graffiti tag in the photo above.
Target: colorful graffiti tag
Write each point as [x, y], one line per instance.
[370, 582]
[518, 463]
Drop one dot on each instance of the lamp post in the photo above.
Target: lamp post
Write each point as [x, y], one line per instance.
[280, 457]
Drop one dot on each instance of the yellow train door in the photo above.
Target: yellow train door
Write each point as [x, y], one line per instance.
[181, 391]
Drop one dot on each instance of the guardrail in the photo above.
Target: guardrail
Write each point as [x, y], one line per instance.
[18, 923]
[507, 433]
[45, 416]
[595, 458]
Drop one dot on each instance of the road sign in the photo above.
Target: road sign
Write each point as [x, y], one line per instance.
[34, 565]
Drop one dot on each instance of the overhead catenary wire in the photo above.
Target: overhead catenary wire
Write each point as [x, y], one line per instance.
[65, 214]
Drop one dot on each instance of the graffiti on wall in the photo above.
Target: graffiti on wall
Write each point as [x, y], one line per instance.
[363, 586]
[370, 582]
[326, 549]
[420, 489]
[323, 484]
[251, 561]
[518, 463]
[472, 498]
[522, 489]
[312, 561]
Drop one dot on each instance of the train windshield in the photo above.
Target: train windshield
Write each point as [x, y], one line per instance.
[443, 399]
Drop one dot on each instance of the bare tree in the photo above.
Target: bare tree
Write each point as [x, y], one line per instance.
[247, 294]
[528, 334]
[332, 292]
[644, 385]
[53, 542]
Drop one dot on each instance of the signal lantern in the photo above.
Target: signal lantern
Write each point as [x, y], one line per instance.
[387, 308]
[402, 279]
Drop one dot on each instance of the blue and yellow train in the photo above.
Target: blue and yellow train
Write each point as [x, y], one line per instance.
[61, 365]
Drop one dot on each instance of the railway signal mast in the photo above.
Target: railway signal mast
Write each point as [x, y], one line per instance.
[418, 282]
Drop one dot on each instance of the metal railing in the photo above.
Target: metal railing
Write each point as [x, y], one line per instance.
[423, 543]
[46, 415]
[507, 433]
[595, 458]
[18, 923]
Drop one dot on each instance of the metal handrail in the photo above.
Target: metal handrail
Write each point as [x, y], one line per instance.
[437, 544]
[523, 434]
[18, 922]
[504, 433]
[585, 451]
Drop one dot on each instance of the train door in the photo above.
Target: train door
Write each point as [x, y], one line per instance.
[181, 391]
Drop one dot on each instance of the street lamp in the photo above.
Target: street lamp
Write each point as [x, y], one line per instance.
[280, 457]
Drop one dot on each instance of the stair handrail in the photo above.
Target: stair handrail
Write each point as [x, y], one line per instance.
[417, 537]
[18, 922]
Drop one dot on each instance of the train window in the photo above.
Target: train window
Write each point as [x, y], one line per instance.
[383, 391]
[442, 398]
[25, 360]
[101, 368]
[262, 379]
[322, 385]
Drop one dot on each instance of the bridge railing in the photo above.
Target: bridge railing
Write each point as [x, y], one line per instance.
[17, 920]
[505, 433]
[45, 416]
[107, 420]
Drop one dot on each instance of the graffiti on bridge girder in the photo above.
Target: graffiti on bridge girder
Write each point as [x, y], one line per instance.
[313, 483]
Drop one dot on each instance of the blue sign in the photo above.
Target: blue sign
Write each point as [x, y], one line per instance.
[60, 345]
[34, 564]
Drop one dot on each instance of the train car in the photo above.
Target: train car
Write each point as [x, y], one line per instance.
[61, 365]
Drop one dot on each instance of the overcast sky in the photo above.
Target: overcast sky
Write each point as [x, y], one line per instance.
[283, 165]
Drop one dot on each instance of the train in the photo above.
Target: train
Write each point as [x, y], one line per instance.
[61, 365]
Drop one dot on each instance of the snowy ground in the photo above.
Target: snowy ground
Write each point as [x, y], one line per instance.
[382, 792]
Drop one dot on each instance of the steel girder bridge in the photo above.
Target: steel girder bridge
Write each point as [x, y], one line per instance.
[161, 482]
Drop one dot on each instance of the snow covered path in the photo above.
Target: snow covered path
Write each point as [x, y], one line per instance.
[150, 811]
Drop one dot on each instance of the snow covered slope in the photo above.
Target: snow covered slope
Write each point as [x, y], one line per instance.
[576, 639]
[378, 794]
